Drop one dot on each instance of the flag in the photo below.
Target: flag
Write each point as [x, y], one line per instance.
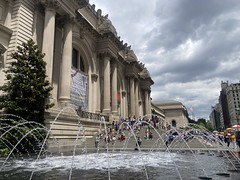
[191, 109]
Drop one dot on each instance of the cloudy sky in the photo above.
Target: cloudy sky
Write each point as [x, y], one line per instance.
[188, 46]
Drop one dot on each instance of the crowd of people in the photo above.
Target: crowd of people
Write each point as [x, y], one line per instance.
[232, 139]
[132, 125]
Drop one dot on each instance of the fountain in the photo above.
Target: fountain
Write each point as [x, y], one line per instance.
[193, 153]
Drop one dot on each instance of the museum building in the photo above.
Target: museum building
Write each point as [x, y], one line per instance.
[88, 65]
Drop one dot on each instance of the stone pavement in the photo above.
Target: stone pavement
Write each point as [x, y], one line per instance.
[156, 143]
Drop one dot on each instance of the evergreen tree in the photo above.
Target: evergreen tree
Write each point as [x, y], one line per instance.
[26, 90]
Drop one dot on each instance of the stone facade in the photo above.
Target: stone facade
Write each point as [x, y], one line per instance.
[77, 39]
[175, 112]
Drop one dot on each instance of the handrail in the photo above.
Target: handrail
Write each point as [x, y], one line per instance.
[90, 115]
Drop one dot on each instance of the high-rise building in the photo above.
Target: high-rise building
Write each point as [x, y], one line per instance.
[229, 101]
[224, 114]
[215, 118]
[233, 99]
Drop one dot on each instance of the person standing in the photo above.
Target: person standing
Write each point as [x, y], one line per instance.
[97, 141]
[238, 138]
[233, 138]
[139, 142]
[228, 139]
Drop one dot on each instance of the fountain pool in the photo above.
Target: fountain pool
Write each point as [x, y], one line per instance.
[123, 166]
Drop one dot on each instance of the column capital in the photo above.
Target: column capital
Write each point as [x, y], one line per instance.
[94, 77]
[65, 20]
[124, 93]
[108, 53]
[50, 4]
[133, 77]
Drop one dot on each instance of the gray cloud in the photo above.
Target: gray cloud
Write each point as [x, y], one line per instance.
[188, 46]
[180, 20]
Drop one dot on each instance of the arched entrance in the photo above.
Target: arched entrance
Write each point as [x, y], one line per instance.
[79, 85]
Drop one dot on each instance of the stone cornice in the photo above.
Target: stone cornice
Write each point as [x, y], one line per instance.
[86, 26]
[64, 7]
[105, 26]
[6, 31]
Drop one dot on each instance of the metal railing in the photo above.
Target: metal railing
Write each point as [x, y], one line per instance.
[92, 116]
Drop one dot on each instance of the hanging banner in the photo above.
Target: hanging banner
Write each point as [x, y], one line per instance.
[79, 90]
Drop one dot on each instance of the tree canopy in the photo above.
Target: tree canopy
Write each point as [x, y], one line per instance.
[26, 90]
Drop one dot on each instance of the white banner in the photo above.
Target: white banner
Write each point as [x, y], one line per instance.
[79, 90]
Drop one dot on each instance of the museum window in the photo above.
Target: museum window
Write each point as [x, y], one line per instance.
[82, 68]
[77, 60]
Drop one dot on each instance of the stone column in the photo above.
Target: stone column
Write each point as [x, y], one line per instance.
[149, 103]
[140, 104]
[9, 14]
[65, 66]
[98, 96]
[90, 91]
[114, 88]
[123, 104]
[48, 39]
[136, 99]
[106, 84]
[146, 103]
[132, 96]
[94, 95]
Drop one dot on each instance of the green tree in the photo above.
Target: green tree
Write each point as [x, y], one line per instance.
[209, 126]
[201, 121]
[26, 90]
[191, 121]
